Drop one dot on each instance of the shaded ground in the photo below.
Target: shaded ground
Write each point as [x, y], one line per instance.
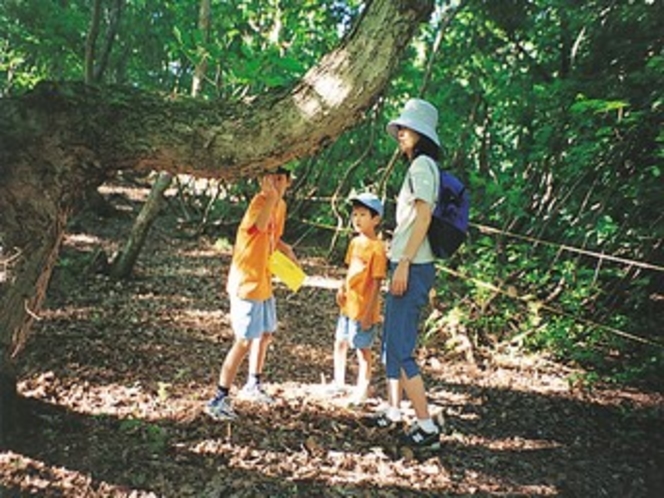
[115, 376]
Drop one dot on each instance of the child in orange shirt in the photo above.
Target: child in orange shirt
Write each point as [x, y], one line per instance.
[253, 309]
[359, 295]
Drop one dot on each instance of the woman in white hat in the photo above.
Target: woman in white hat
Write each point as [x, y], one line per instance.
[412, 270]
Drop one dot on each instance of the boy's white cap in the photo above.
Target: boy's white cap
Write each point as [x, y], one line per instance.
[418, 115]
[367, 199]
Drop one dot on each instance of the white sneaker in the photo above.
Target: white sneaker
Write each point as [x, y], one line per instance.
[255, 394]
[335, 390]
[359, 397]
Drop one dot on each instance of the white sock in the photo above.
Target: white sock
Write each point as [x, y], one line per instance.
[427, 425]
[394, 414]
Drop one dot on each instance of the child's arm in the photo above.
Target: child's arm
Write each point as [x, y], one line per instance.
[271, 199]
[287, 249]
[341, 294]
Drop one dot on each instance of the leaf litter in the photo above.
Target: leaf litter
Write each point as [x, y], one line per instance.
[115, 376]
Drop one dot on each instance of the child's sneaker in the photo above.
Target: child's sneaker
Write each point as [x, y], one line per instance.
[333, 390]
[220, 409]
[417, 437]
[358, 398]
[255, 394]
[380, 420]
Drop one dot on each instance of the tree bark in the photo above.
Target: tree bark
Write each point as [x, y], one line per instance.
[61, 139]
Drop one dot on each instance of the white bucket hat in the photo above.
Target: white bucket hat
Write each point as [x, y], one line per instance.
[418, 115]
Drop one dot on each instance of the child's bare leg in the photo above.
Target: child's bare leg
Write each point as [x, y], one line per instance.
[340, 353]
[258, 353]
[232, 362]
[365, 362]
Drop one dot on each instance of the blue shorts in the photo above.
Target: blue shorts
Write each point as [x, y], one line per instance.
[402, 318]
[351, 331]
[250, 319]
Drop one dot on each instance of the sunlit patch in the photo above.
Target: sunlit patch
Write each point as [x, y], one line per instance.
[200, 318]
[322, 282]
[485, 484]
[514, 444]
[69, 313]
[197, 252]
[82, 240]
[332, 90]
[137, 194]
[328, 91]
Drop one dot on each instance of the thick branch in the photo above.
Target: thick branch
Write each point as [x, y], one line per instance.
[126, 128]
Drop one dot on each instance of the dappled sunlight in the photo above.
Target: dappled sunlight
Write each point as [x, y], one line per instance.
[132, 193]
[97, 398]
[83, 241]
[199, 252]
[312, 459]
[322, 282]
[515, 443]
[120, 371]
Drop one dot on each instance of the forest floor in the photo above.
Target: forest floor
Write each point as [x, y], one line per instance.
[115, 375]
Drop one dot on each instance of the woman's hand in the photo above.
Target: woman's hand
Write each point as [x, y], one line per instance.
[399, 282]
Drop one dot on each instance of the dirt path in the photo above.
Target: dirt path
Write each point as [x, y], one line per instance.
[116, 374]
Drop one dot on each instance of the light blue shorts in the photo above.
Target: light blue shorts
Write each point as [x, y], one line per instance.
[250, 319]
[351, 331]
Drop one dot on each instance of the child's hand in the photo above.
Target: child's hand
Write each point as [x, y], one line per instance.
[288, 251]
[268, 187]
[341, 297]
[366, 322]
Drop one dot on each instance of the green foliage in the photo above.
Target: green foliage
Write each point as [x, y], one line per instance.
[250, 48]
[561, 142]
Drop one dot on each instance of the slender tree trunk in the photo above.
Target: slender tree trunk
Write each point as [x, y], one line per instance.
[201, 65]
[109, 40]
[91, 42]
[124, 261]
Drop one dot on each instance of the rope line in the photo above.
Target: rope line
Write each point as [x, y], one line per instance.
[551, 309]
[491, 230]
[601, 256]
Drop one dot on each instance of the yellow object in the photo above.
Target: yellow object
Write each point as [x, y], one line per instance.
[286, 270]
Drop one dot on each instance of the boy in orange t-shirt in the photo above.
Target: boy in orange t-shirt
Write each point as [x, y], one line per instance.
[359, 295]
[253, 310]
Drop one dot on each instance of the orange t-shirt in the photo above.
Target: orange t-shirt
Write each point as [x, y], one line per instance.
[367, 263]
[249, 276]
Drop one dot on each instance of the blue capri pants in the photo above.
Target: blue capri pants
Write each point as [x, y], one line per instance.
[402, 317]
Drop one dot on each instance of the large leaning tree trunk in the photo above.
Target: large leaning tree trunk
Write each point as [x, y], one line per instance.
[61, 139]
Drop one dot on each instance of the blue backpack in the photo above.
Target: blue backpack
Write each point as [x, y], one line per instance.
[449, 220]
